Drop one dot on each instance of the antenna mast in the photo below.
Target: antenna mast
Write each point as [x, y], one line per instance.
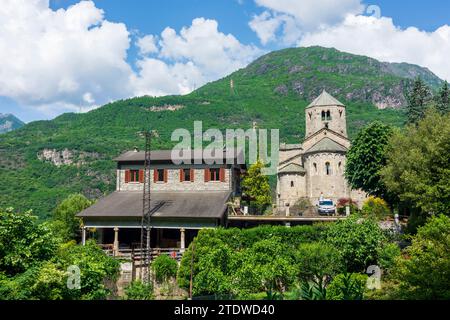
[146, 214]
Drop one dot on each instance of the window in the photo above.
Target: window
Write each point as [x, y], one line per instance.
[340, 167]
[160, 175]
[328, 116]
[292, 184]
[134, 175]
[323, 115]
[310, 115]
[340, 113]
[315, 167]
[186, 175]
[328, 169]
[214, 174]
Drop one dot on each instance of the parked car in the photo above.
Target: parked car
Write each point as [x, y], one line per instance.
[326, 206]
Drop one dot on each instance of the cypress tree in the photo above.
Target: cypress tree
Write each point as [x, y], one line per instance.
[417, 101]
[443, 99]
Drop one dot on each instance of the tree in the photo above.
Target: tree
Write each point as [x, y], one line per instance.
[418, 99]
[358, 240]
[266, 266]
[23, 242]
[256, 186]
[65, 222]
[418, 167]
[443, 99]
[366, 157]
[318, 263]
[424, 271]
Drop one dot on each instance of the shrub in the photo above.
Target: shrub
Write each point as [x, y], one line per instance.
[343, 202]
[350, 286]
[164, 268]
[137, 290]
[376, 207]
[387, 255]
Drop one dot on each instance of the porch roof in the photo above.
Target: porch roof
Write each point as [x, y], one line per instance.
[209, 205]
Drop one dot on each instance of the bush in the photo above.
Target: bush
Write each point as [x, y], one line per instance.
[164, 268]
[375, 207]
[344, 202]
[387, 255]
[137, 290]
[350, 286]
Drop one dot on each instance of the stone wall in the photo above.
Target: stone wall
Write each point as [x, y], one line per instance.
[174, 184]
[314, 120]
[332, 186]
[291, 187]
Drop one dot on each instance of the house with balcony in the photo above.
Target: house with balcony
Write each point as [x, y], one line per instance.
[184, 199]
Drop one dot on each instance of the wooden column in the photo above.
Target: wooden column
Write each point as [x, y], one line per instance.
[182, 240]
[116, 241]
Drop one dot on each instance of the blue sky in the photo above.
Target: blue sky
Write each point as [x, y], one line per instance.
[135, 47]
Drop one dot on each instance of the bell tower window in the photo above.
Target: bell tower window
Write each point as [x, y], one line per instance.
[323, 115]
[328, 116]
[328, 169]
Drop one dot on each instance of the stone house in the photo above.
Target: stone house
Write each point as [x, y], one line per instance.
[184, 199]
[315, 168]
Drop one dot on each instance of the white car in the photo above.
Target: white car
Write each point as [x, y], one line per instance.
[326, 206]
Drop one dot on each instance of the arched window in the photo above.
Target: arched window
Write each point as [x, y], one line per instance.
[315, 167]
[323, 115]
[328, 169]
[328, 115]
[310, 115]
[340, 113]
[340, 167]
[292, 184]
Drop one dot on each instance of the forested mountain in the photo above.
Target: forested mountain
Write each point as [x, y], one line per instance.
[44, 161]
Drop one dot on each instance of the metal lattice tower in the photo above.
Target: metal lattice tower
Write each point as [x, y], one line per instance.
[146, 214]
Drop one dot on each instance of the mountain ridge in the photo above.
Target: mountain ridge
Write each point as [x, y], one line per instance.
[45, 161]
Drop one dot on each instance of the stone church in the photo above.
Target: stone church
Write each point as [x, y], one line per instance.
[315, 168]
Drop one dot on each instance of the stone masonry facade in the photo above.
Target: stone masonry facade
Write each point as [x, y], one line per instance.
[315, 168]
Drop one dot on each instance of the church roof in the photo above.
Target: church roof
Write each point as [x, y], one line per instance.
[324, 100]
[292, 168]
[326, 144]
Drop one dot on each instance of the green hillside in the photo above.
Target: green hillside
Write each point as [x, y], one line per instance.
[273, 91]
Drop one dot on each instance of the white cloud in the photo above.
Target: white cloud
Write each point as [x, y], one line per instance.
[147, 44]
[296, 16]
[381, 39]
[53, 58]
[188, 59]
[74, 59]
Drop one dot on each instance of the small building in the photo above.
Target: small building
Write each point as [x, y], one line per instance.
[315, 168]
[184, 199]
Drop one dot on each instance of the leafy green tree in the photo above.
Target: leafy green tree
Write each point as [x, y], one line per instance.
[256, 186]
[418, 167]
[137, 290]
[23, 242]
[318, 263]
[387, 255]
[358, 240]
[366, 158]
[65, 222]
[443, 99]
[347, 286]
[424, 271]
[418, 99]
[164, 268]
[266, 266]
